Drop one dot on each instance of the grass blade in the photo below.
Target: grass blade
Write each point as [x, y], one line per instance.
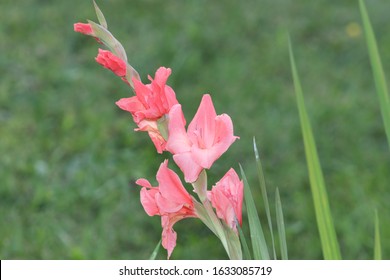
[259, 246]
[377, 241]
[330, 246]
[263, 187]
[377, 69]
[155, 251]
[280, 225]
[244, 244]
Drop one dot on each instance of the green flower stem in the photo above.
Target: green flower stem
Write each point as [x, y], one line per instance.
[224, 233]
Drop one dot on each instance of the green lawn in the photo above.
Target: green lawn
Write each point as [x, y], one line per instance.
[69, 157]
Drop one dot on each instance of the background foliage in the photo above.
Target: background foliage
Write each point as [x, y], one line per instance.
[69, 157]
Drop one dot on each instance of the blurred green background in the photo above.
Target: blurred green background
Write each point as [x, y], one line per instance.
[69, 156]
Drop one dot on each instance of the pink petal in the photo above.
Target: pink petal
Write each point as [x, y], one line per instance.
[169, 236]
[236, 190]
[157, 100]
[162, 75]
[224, 137]
[201, 130]
[112, 62]
[148, 201]
[147, 125]
[170, 96]
[171, 187]
[167, 206]
[223, 206]
[141, 91]
[158, 141]
[229, 190]
[161, 90]
[188, 166]
[131, 104]
[224, 129]
[178, 141]
[84, 28]
[157, 97]
[154, 134]
[143, 183]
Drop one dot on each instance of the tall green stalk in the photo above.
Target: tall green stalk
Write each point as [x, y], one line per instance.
[259, 245]
[377, 239]
[281, 227]
[263, 188]
[330, 246]
[377, 69]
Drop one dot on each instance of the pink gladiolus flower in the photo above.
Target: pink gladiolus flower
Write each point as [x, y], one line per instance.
[84, 28]
[226, 197]
[170, 200]
[152, 102]
[110, 61]
[207, 138]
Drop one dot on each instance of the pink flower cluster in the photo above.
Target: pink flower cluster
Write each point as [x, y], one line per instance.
[155, 109]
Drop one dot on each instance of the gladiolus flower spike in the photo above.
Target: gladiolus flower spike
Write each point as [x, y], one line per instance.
[155, 109]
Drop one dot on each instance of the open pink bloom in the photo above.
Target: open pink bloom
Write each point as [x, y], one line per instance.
[84, 28]
[226, 197]
[110, 61]
[207, 138]
[152, 102]
[170, 200]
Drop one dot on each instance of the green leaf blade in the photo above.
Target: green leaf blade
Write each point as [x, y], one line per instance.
[377, 69]
[263, 188]
[259, 246]
[155, 251]
[377, 240]
[329, 242]
[245, 248]
[280, 226]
